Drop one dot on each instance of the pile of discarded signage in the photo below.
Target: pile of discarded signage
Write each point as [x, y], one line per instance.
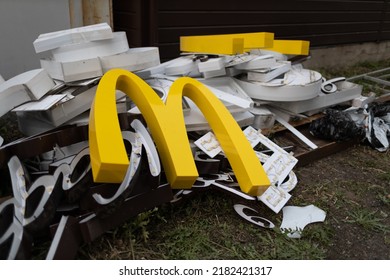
[100, 116]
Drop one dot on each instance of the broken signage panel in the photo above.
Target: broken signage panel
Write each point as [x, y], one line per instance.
[229, 44]
[291, 47]
[73, 70]
[134, 59]
[251, 215]
[52, 40]
[266, 75]
[212, 64]
[76, 101]
[295, 219]
[88, 50]
[362, 101]
[345, 91]
[275, 198]
[297, 85]
[42, 105]
[264, 118]
[31, 85]
[227, 90]
[258, 62]
[234, 60]
[36, 83]
[25, 227]
[214, 73]
[209, 144]
[195, 120]
[279, 164]
[280, 117]
[182, 66]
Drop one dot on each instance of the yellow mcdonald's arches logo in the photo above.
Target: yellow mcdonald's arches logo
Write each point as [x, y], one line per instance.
[166, 122]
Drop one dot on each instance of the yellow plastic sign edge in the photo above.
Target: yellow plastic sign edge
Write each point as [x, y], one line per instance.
[292, 47]
[228, 44]
[109, 159]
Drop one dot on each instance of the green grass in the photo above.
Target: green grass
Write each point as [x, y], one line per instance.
[368, 220]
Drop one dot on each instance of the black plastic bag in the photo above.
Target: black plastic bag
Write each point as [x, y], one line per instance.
[336, 125]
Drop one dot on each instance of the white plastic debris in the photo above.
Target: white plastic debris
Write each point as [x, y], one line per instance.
[295, 219]
[297, 85]
[86, 50]
[252, 216]
[209, 144]
[30, 85]
[52, 40]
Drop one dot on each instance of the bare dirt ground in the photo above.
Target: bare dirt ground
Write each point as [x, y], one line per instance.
[354, 188]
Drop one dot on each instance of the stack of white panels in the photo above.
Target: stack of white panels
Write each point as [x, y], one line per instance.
[88, 52]
[30, 85]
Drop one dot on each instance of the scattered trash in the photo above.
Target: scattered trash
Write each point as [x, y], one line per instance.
[336, 125]
[295, 219]
[251, 215]
[53, 171]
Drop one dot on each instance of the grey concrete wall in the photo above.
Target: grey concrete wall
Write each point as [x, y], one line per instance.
[347, 55]
[21, 22]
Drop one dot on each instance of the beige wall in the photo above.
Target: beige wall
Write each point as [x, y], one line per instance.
[347, 55]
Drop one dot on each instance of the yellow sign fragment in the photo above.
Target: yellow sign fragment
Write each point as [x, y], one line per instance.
[166, 122]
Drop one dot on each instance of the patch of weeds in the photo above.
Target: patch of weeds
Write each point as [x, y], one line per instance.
[120, 243]
[387, 239]
[368, 220]
[187, 242]
[279, 246]
[384, 198]
[385, 176]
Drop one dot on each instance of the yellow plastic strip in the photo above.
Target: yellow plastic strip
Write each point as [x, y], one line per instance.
[292, 47]
[228, 44]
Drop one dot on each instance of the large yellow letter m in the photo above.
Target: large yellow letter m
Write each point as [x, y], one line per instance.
[166, 123]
